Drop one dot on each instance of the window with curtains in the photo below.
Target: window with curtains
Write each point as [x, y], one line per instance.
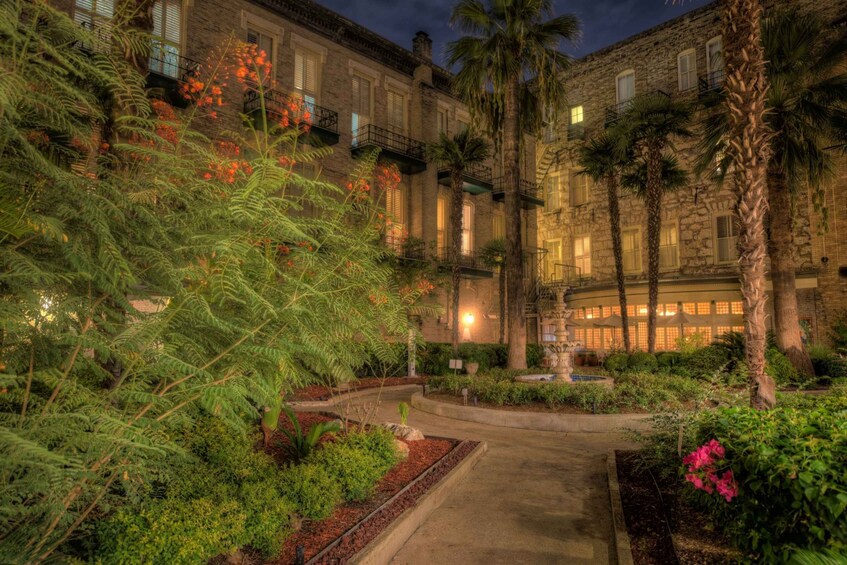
[625, 87]
[361, 106]
[467, 228]
[631, 247]
[582, 254]
[395, 207]
[551, 193]
[669, 247]
[552, 259]
[306, 72]
[263, 40]
[396, 110]
[441, 213]
[726, 238]
[686, 63]
[167, 38]
[580, 189]
[95, 15]
[498, 225]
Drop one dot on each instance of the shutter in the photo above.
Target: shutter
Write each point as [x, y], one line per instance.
[173, 22]
[305, 72]
[252, 36]
[104, 8]
[299, 72]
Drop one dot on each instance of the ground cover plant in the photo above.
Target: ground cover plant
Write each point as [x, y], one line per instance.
[147, 270]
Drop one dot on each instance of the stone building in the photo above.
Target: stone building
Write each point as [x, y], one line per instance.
[699, 274]
[363, 91]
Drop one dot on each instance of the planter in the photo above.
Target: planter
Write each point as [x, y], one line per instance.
[579, 359]
[472, 367]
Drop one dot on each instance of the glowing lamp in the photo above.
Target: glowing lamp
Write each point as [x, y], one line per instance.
[468, 319]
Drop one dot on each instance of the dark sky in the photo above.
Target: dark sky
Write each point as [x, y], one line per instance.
[603, 21]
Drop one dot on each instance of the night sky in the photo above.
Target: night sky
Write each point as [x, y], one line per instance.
[603, 21]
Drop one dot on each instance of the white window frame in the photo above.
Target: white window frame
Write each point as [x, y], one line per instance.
[354, 68]
[575, 178]
[550, 262]
[556, 182]
[580, 261]
[691, 55]
[163, 65]
[638, 266]
[305, 47]
[674, 227]
[262, 25]
[620, 75]
[444, 111]
[710, 66]
[468, 227]
[733, 222]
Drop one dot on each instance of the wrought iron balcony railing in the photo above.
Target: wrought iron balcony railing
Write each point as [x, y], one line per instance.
[614, 112]
[405, 248]
[471, 260]
[166, 62]
[476, 171]
[711, 82]
[389, 140]
[279, 103]
[528, 188]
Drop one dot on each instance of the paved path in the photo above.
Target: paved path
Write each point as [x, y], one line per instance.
[535, 497]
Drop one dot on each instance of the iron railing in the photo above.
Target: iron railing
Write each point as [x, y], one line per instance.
[467, 259]
[711, 82]
[476, 171]
[389, 140]
[615, 111]
[528, 188]
[406, 248]
[278, 103]
[166, 62]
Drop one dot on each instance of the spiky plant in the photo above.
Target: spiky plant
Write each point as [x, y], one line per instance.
[506, 45]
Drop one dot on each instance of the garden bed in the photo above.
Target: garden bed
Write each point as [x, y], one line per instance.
[532, 406]
[324, 392]
[662, 528]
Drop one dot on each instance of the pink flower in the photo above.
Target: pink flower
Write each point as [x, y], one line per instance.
[695, 480]
[704, 464]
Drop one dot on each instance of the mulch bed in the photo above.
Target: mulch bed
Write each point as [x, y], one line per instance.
[441, 454]
[324, 392]
[650, 519]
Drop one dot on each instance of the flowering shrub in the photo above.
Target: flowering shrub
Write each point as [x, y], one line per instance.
[704, 470]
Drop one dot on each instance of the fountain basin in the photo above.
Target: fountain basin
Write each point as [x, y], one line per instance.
[575, 379]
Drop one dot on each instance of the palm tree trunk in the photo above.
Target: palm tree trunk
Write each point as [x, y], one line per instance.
[783, 272]
[749, 148]
[617, 251]
[514, 252]
[654, 227]
[502, 303]
[456, 250]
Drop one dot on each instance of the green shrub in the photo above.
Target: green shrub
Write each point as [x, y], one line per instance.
[838, 332]
[354, 470]
[301, 442]
[311, 489]
[268, 516]
[534, 354]
[707, 362]
[780, 369]
[641, 361]
[616, 362]
[434, 358]
[172, 531]
[827, 363]
[377, 443]
[668, 359]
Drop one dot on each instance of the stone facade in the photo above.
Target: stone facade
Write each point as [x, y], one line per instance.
[698, 280]
[343, 50]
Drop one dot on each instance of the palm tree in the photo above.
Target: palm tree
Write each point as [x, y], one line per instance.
[458, 153]
[508, 44]
[647, 128]
[602, 160]
[494, 255]
[806, 113]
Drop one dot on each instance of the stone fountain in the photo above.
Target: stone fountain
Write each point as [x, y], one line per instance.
[562, 347]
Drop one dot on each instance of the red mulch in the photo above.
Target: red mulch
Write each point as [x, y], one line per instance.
[324, 392]
[314, 536]
[649, 516]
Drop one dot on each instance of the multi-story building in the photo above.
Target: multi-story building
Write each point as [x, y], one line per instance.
[698, 258]
[363, 92]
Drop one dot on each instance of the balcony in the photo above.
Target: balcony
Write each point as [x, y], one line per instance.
[477, 179]
[408, 154]
[406, 250]
[530, 193]
[471, 264]
[167, 71]
[322, 122]
[614, 112]
[712, 82]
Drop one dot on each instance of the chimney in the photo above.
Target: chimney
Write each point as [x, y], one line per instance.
[422, 45]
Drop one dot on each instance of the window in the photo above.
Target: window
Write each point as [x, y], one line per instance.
[442, 207]
[263, 40]
[722, 308]
[95, 14]
[669, 247]
[395, 207]
[498, 225]
[577, 115]
[442, 122]
[551, 193]
[726, 230]
[467, 228]
[167, 31]
[625, 87]
[687, 69]
[576, 126]
[552, 259]
[306, 69]
[737, 307]
[396, 110]
[631, 246]
[580, 189]
[461, 126]
[361, 106]
[582, 255]
[714, 61]
[549, 126]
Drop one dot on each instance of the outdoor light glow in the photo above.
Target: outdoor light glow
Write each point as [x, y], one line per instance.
[469, 319]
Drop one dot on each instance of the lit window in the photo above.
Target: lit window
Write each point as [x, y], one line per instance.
[722, 308]
[687, 69]
[582, 255]
[306, 76]
[395, 207]
[551, 193]
[442, 207]
[498, 225]
[670, 309]
[467, 228]
[723, 330]
[642, 336]
[580, 189]
[579, 335]
[726, 239]
[577, 115]
[669, 247]
[689, 308]
[625, 87]
[739, 329]
[737, 307]
[553, 259]
[631, 246]
[641, 309]
[396, 108]
[361, 105]
[704, 308]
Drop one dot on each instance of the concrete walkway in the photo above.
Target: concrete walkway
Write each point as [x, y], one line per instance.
[535, 497]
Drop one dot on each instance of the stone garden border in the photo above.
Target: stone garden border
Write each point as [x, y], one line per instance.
[622, 545]
[542, 421]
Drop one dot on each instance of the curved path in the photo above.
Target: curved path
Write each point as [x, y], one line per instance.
[535, 497]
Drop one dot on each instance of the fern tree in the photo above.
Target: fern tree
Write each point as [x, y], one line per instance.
[161, 273]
